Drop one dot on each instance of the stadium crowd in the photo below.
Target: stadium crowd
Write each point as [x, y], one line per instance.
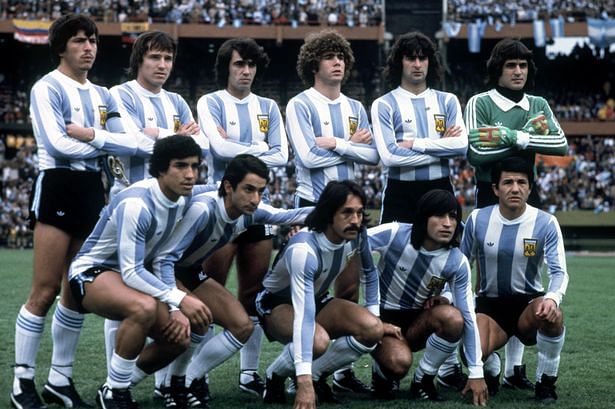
[528, 10]
[228, 12]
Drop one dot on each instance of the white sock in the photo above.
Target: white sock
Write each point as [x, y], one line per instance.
[28, 334]
[121, 372]
[493, 364]
[549, 350]
[513, 352]
[138, 375]
[250, 354]
[110, 331]
[65, 331]
[436, 352]
[179, 366]
[218, 350]
[342, 352]
[284, 364]
[209, 335]
[339, 373]
[449, 364]
[160, 376]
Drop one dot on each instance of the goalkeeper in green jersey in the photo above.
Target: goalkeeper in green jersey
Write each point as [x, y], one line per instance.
[507, 121]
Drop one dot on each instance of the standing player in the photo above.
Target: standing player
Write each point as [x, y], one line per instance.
[66, 200]
[510, 242]
[236, 121]
[149, 109]
[146, 107]
[111, 278]
[212, 220]
[417, 128]
[506, 121]
[297, 310]
[416, 261]
[330, 135]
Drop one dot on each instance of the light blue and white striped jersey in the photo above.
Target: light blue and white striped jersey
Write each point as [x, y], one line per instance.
[207, 226]
[128, 236]
[408, 278]
[57, 100]
[253, 125]
[141, 109]
[511, 253]
[309, 115]
[305, 270]
[400, 116]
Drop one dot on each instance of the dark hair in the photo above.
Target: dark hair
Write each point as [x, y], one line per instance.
[331, 200]
[169, 148]
[509, 49]
[239, 167]
[512, 164]
[407, 45]
[316, 45]
[248, 49]
[150, 40]
[66, 27]
[435, 203]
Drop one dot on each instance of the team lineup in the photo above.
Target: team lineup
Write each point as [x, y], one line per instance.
[151, 250]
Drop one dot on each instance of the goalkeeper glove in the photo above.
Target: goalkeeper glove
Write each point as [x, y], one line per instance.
[493, 137]
[537, 125]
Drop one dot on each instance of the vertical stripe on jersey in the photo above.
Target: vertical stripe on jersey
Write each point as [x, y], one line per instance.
[87, 108]
[161, 118]
[505, 259]
[245, 126]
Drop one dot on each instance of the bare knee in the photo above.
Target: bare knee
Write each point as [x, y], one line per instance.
[321, 342]
[42, 298]
[143, 311]
[450, 323]
[370, 331]
[242, 329]
[395, 366]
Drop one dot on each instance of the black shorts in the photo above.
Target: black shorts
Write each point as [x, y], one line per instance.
[506, 311]
[401, 197]
[67, 199]
[190, 277]
[265, 302]
[254, 234]
[401, 318]
[485, 196]
[306, 203]
[77, 284]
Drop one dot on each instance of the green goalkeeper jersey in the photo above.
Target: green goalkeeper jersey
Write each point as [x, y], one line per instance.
[493, 109]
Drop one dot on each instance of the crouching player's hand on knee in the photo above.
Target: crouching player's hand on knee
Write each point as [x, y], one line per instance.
[196, 311]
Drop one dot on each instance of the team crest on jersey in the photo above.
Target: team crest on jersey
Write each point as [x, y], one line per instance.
[176, 123]
[440, 122]
[263, 122]
[529, 247]
[436, 284]
[353, 124]
[102, 112]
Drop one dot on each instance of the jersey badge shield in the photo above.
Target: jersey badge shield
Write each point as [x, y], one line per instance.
[263, 122]
[529, 247]
[436, 284]
[353, 124]
[176, 123]
[440, 122]
[102, 113]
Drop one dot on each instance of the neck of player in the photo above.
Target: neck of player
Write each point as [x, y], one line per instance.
[330, 90]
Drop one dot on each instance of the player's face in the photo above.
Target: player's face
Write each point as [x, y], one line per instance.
[246, 196]
[414, 70]
[79, 55]
[514, 74]
[440, 230]
[241, 75]
[512, 191]
[179, 179]
[155, 69]
[346, 221]
[331, 69]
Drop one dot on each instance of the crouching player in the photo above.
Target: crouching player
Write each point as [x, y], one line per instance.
[416, 261]
[295, 306]
[112, 275]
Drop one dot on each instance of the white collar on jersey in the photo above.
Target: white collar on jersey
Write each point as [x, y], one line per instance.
[161, 197]
[224, 94]
[506, 104]
[313, 93]
[412, 95]
[134, 84]
[326, 244]
[57, 74]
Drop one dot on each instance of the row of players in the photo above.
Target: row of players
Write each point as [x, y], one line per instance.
[416, 130]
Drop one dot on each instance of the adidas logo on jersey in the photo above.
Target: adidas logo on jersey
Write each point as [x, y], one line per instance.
[490, 244]
[60, 213]
[77, 109]
[232, 123]
[326, 123]
[202, 276]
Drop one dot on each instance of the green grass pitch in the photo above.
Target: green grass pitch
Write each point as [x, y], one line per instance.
[586, 376]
